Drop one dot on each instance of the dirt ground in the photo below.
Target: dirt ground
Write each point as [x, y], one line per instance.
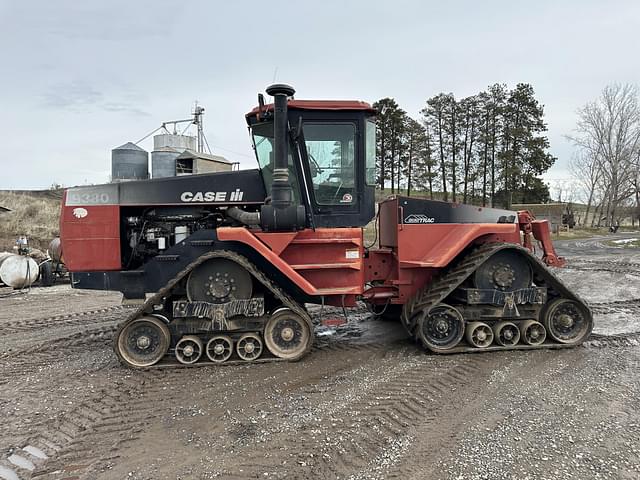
[366, 403]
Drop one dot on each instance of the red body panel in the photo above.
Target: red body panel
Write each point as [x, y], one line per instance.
[90, 237]
[322, 262]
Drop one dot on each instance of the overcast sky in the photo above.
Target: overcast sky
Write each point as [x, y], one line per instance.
[79, 78]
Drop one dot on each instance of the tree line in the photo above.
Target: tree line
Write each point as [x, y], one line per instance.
[606, 166]
[487, 149]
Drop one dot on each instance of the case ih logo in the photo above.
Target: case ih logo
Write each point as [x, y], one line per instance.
[415, 218]
[80, 212]
[235, 196]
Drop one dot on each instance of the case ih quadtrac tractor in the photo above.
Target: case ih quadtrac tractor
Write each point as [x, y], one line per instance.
[224, 263]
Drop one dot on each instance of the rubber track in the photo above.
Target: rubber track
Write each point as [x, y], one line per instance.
[440, 289]
[156, 299]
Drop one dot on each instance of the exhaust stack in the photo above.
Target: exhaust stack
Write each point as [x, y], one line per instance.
[281, 214]
[281, 192]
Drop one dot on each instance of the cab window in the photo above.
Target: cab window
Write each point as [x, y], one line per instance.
[331, 153]
[263, 145]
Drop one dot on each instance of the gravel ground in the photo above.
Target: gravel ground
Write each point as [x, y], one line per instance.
[366, 403]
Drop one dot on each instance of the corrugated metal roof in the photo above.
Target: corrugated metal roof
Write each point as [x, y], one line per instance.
[204, 156]
[129, 146]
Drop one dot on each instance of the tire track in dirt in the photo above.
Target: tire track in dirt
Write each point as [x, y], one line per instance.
[354, 434]
[57, 321]
[87, 439]
[604, 266]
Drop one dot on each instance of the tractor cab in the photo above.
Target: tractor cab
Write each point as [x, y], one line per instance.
[328, 155]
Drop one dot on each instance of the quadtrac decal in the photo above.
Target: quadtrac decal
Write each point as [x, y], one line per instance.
[212, 197]
[419, 218]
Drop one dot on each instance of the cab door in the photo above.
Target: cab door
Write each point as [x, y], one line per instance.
[332, 153]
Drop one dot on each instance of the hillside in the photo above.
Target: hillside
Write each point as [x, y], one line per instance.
[33, 213]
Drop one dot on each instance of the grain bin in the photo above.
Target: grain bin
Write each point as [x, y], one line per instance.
[129, 162]
[178, 142]
[163, 162]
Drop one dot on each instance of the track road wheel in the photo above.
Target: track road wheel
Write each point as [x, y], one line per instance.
[219, 280]
[506, 270]
[249, 347]
[442, 328]
[532, 332]
[567, 321]
[189, 349]
[506, 334]
[479, 334]
[143, 342]
[287, 335]
[219, 349]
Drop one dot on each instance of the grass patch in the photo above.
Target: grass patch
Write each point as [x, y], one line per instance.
[32, 214]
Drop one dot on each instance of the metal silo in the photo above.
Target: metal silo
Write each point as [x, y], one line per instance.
[129, 162]
[163, 162]
[179, 142]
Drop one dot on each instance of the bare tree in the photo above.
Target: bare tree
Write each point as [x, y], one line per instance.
[587, 170]
[608, 131]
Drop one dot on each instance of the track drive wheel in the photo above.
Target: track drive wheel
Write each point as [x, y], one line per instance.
[442, 328]
[219, 348]
[249, 347]
[532, 332]
[143, 342]
[506, 334]
[506, 270]
[189, 349]
[479, 334]
[219, 280]
[567, 321]
[288, 335]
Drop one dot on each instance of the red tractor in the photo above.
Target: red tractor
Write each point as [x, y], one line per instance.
[224, 263]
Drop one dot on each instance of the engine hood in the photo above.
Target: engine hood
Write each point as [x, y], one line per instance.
[222, 188]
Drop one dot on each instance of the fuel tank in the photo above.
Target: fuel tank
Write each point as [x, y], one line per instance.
[18, 271]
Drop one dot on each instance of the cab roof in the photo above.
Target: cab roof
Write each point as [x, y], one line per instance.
[319, 105]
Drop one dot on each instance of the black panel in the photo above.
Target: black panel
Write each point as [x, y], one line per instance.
[212, 188]
[417, 210]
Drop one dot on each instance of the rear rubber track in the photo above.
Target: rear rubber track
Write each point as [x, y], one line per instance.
[442, 287]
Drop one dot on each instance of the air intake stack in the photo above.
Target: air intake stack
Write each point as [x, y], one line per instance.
[281, 213]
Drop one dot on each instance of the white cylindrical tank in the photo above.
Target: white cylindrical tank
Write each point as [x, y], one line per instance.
[18, 271]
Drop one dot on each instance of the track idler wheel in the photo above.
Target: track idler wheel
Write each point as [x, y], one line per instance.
[506, 334]
[249, 347]
[506, 270]
[219, 349]
[532, 332]
[567, 321]
[143, 342]
[479, 334]
[442, 328]
[219, 280]
[189, 349]
[288, 335]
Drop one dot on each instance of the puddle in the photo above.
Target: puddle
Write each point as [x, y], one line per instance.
[21, 462]
[8, 474]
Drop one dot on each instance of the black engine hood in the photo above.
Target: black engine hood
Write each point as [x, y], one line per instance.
[222, 188]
